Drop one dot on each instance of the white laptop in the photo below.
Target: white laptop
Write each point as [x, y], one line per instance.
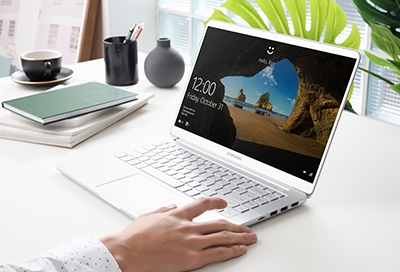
[254, 127]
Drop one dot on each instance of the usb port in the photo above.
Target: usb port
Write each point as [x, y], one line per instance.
[295, 204]
[273, 213]
[284, 209]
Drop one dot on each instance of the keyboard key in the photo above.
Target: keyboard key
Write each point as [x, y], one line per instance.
[193, 184]
[196, 176]
[179, 176]
[224, 191]
[237, 197]
[192, 192]
[126, 158]
[140, 165]
[134, 162]
[141, 150]
[228, 212]
[201, 188]
[278, 194]
[240, 190]
[241, 209]
[231, 202]
[206, 182]
[261, 201]
[232, 187]
[251, 195]
[251, 205]
[210, 193]
[184, 188]
[119, 155]
[215, 187]
[271, 197]
[258, 191]
[161, 176]
[186, 180]
[192, 175]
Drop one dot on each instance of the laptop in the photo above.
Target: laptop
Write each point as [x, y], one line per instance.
[254, 126]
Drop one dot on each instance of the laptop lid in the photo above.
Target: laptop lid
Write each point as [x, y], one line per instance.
[265, 102]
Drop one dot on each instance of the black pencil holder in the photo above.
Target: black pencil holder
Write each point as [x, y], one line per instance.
[121, 61]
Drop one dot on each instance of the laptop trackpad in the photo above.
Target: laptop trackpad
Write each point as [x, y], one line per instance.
[137, 192]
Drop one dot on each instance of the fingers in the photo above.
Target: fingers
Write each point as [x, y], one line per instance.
[162, 209]
[199, 206]
[228, 238]
[220, 225]
[219, 254]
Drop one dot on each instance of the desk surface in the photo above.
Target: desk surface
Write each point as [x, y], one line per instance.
[350, 224]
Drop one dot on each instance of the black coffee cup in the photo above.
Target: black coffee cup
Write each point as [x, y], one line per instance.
[41, 65]
[121, 61]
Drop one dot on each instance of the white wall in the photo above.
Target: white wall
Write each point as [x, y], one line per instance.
[123, 13]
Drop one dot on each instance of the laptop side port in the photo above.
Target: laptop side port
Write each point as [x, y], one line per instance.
[294, 204]
[284, 209]
[273, 213]
[261, 218]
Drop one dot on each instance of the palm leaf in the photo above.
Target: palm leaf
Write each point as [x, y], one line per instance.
[297, 11]
[219, 16]
[383, 38]
[277, 14]
[319, 13]
[245, 10]
[326, 17]
[383, 16]
[381, 12]
[396, 88]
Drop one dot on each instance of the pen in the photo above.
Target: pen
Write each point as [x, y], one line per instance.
[129, 35]
[138, 30]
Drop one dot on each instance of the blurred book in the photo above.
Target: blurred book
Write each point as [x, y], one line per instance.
[68, 102]
[70, 132]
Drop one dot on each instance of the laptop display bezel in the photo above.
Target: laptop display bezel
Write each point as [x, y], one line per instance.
[261, 169]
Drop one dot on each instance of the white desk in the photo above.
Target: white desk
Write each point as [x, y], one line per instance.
[352, 222]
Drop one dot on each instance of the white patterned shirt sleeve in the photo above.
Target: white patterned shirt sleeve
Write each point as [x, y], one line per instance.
[82, 255]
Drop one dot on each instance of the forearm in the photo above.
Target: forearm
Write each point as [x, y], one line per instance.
[84, 254]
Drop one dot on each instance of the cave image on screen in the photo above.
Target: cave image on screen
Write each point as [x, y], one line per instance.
[271, 101]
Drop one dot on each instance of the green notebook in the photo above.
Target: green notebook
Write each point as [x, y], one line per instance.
[56, 105]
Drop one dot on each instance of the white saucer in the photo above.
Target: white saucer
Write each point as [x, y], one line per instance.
[21, 78]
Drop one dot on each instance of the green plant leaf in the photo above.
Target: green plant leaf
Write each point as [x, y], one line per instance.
[326, 17]
[376, 75]
[319, 14]
[396, 88]
[383, 38]
[219, 16]
[335, 24]
[395, 65]
[297, 12]
[277, 15]
[353, 40]
[377, 60]
[382, 12]
[245, 10]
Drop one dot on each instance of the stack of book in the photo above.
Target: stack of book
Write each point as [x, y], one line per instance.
[67, 116]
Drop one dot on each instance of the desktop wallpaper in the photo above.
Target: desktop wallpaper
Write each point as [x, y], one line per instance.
[274, 102]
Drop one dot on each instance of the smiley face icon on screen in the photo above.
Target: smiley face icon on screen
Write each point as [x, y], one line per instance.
[270, 50]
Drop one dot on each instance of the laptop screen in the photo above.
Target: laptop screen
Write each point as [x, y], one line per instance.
[271, 101]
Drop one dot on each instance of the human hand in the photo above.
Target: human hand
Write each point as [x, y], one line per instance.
[168, 240]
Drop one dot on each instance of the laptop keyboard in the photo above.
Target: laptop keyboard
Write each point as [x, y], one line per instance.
[196, 176]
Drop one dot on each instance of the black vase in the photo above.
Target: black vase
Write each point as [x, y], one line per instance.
[164, 66]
